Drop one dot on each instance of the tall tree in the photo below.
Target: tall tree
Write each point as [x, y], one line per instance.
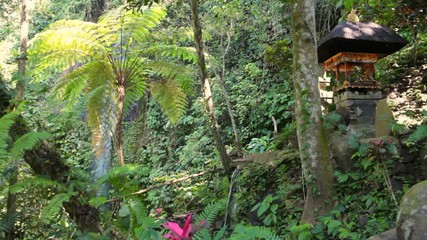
[20, 89]
[207, 93]
[223, 26]
[312, 139]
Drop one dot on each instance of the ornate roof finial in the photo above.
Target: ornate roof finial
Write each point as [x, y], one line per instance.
[352, 17]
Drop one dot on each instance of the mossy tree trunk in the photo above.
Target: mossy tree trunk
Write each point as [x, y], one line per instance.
[312, 140]
[207, 94]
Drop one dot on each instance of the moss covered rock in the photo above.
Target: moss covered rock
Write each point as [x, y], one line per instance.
[412, 216]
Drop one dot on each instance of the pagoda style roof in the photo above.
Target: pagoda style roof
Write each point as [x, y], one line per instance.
[359, 37]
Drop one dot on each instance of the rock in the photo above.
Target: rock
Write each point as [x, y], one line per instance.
[361, 131]
[412, 216]
[341, 151]
[383, 119]
[388, 235]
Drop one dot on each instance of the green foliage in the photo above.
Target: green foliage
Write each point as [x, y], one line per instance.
[260, 145]
[266, 210]
[54, 206]
[253, 232]
[302, 231]
[417, 136]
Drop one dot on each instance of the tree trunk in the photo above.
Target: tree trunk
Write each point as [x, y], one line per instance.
[221, 78]
[119, 129]
[97, 8]
[11, 208]
[20, 86]
[45, 160]
[20, 89]
[207, 94]
[312, 141]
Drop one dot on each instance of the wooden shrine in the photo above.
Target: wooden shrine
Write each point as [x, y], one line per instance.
[349, 53]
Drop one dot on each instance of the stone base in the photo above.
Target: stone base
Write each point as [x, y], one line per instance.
[357, 107]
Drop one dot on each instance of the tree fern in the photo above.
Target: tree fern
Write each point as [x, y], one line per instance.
[118, 52]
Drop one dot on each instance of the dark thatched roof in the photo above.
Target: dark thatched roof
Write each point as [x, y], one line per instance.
[363, 37]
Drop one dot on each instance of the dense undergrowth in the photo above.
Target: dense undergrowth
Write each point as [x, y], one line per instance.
[160, 181]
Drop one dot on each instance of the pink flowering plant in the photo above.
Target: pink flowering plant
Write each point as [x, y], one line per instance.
[178, 233]
[185, 233]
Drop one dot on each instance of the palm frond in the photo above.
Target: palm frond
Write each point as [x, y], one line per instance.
[171, 98]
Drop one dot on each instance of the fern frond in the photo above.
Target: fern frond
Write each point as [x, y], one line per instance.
[210, 212]
[171, 98]
[208, 215]
[64, 44]
[6, 123]
[134, 93]
[32, 182]
[188, 54]
[27, 142]
[54, 206]
[183, 75]
[137, 210]
[136, 26]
